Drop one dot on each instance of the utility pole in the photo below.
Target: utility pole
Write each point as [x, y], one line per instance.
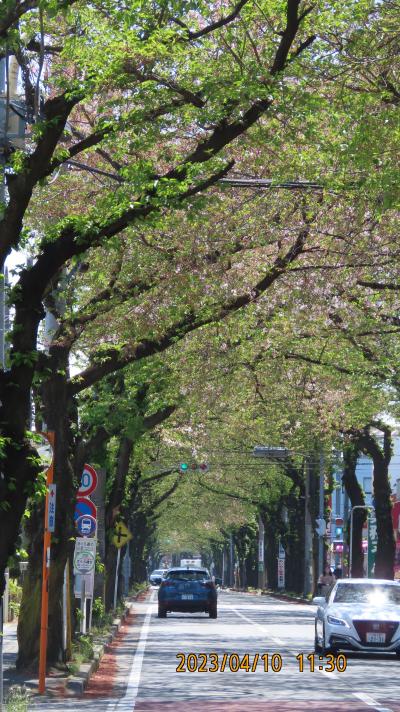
[307, 533]
[261, 536]
[231, 562]
[321, 514]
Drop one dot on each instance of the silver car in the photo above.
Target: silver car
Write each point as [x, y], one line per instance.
[359, 614]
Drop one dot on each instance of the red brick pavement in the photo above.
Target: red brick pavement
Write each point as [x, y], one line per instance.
[251, 705]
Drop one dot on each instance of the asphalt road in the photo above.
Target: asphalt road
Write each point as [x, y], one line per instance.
[141, 674]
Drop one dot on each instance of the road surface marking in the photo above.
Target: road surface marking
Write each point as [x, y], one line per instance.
[368, 700]
[128, 701]
[258, 625]
[331, 675]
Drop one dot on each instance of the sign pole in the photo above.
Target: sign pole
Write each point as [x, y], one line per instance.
[45, 577]
[83, 605]
[69, 625]
[90, 613]
[116, 578]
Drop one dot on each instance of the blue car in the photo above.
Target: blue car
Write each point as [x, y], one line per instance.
[187, 590]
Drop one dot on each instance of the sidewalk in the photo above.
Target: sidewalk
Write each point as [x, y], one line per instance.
[59, 683]
[10, 645]
[11, 676]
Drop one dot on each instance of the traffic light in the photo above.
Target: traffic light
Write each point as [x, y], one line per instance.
[193, 466]
[338, 528]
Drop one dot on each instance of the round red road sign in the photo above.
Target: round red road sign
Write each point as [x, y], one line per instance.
[84, 506]
[88, 481]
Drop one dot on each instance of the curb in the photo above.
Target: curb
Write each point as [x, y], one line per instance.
[273, 594]
[77, 683]
[288, 599]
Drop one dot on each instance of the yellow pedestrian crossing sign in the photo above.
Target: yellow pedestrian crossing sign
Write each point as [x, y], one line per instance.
[121, 535]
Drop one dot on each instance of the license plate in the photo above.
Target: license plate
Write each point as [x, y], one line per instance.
[376, 637]
[187, 596]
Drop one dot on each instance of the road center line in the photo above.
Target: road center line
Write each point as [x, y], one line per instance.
[331, 675]
[128, 701]
[258, 625]
[368, 700]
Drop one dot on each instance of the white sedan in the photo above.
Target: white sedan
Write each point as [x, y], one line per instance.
[359, 614]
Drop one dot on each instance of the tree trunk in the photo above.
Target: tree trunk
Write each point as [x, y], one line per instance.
[140, 526]
[381, 456]
[294, 539]
[114, 511]
[355, 493]
[59, 413]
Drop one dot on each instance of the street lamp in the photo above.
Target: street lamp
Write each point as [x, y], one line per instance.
[357, 506]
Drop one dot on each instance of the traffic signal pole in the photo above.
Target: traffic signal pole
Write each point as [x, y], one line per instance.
[44, 617]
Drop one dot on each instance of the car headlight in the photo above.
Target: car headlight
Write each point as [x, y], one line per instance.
[337, 621]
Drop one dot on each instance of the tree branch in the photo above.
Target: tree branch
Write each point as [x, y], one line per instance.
[394, 286]
[214, 25]
[293, 21]
[18, 9]
[318, 362]
[115, 359]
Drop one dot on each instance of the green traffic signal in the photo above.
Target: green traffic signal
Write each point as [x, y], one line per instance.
[183, 466]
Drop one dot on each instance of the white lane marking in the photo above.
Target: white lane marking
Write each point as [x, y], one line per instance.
[368, 700]
[128, 701]
[331, 675]
[258, 625]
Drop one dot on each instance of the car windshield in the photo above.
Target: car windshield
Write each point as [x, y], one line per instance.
[188, 575]
[157, 572]
[367, 593]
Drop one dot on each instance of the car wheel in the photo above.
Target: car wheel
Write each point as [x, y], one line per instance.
[212, 611]
[162, 612]
[325, 650]
[317, 646]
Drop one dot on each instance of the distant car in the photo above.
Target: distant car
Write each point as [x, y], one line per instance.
[189, 590]
[359, 614]
[156, 577]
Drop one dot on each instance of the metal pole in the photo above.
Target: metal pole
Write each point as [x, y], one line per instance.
[116, 578]
[65, 614]
[307, 533]
[231, 571]
[83, 605]
[260, 563]
[90, 613]
[321, 515]
[44, 617]
[351, 542]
